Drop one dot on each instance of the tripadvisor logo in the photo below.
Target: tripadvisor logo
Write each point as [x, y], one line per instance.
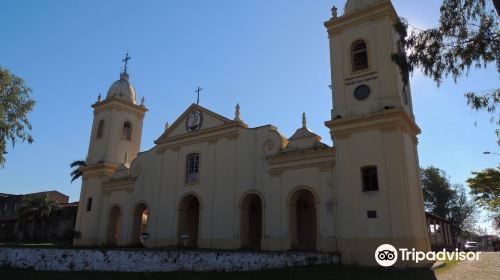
[387, 255]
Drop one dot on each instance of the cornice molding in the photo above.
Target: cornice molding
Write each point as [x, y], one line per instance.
[211, 135]
[116, 103]
[98, 169]
[126, 184]
[386, 121]
[323, 159]
[374, 12]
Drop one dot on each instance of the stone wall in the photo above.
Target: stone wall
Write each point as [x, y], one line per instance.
[155, 260]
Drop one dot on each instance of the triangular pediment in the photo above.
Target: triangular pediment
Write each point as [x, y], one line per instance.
[194, 120]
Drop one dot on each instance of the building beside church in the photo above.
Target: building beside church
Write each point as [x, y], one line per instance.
[18, 225]
[213, 182]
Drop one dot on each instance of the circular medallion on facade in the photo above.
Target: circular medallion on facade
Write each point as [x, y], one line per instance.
[194, 121]
[362, 92]
[268, 147]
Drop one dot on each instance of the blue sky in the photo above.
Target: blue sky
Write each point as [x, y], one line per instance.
[270, 56]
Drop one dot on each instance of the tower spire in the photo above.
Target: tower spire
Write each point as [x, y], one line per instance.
[237, 113]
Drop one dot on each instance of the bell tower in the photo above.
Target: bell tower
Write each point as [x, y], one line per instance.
[115, 140]
[378, 189]
[117, 125]
[364, 78]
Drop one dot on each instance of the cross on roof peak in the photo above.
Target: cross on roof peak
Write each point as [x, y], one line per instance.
[125, 60]
[198, 90]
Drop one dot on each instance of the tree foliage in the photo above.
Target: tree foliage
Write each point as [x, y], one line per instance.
[76, 172]
[485, 186]
[39, 207]
[462, 212]
[467, 37]
[15, 105]
[36, 208]
[447, 201]
[437, 191]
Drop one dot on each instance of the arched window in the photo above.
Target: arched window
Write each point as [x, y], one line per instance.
[303, 220]
[189, 221]
[114, 223]
[139, 222]
[100, 129]
[251, 221]
[192, 168]
[359, 54]
[127, 130]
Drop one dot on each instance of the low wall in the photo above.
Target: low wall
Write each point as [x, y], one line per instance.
[155, 260]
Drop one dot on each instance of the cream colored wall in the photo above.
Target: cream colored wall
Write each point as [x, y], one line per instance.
[230, 169]
[415, 188]
[87, 222]
[161, 184]
[351, 155]
[398, 201]
[321, 185]
[377, 31]
[123, 200]
[111, 148]
[98, 147]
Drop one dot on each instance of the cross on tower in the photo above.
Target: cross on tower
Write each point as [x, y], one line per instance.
[198, 93]
[126, 59]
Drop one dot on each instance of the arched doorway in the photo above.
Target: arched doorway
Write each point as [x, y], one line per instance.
[303, 220]
[189, 217]
[251, 221]
[114, 222]
[139, 222]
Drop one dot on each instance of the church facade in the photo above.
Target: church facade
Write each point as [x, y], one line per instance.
[213, 182]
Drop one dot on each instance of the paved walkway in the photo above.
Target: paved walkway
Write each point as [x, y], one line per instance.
[487, 268]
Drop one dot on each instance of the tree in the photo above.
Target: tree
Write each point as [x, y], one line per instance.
[76, 173]
[485, 186]
[15, 105]
[437, 191]
[36, 209]
[467, 36]
[462, 212]
[447, 201]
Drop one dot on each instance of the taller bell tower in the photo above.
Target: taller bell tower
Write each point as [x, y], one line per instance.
[378, 191]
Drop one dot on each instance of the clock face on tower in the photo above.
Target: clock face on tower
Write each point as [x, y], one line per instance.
[362, 92]
[194, 121]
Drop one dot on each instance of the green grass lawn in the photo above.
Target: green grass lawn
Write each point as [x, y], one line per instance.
[36, 245]
[448, 264]
[330, 272]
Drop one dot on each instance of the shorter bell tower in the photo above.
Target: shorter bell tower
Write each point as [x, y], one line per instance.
[117, 126]
[115, 139]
